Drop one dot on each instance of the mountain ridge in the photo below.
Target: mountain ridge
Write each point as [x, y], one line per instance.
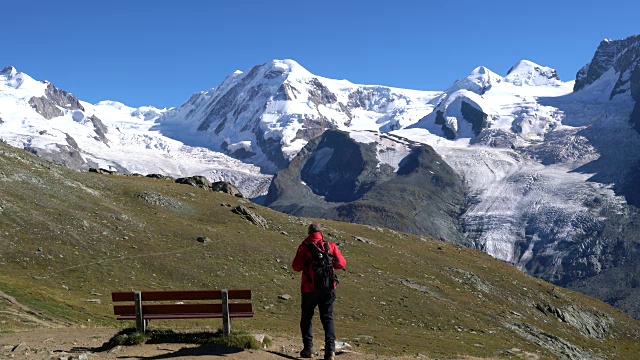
[546, 172]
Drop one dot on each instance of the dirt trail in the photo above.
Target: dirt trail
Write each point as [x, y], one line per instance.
[22, 312]
[70, 343]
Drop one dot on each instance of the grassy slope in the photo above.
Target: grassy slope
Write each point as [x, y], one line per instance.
[65, 235]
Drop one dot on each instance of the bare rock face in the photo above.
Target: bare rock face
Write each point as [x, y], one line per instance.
[251, 216]
[227, 188]
[197, 181]
[49, 105]
[595, 325]
[338, 178]
[100, 129]
[204, 183]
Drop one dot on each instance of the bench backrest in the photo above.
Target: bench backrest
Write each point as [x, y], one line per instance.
[171, 295]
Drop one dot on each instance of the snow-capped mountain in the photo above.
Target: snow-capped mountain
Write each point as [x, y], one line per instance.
[53, 123]
[266, 115]
[486, 100]
[549, 168]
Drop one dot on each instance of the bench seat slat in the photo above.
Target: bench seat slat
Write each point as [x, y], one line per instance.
[186, 316]
[171, 295]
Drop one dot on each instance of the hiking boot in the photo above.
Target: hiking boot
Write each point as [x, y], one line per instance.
[307, 352]
[330, 355]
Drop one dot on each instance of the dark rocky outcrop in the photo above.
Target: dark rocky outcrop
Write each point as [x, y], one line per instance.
[475, 117]
[595, 325]
[272, 148]
[240, 153]
[100, 129]
[49, 105]
[440, 120]
[251, 216]
[616, 54]
[160, 177]
[203, 183]
[65, 155]
[197, 181]
[227, 188]
[102, 171]
[320, 94]
[338, 178]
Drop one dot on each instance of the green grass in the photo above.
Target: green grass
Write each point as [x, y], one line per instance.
[67, 237]
[238, 339]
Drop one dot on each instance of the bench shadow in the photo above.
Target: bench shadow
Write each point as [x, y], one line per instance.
[203, 350]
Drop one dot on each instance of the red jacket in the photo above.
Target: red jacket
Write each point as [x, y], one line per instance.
[302, 261]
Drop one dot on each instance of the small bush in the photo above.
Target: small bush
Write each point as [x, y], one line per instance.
[129, 337]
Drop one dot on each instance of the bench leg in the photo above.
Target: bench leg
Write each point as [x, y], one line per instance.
[140, 321]
[226, 321]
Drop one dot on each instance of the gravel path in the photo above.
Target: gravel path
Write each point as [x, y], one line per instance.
[74, 343]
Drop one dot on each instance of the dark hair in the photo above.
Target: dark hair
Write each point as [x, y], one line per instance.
[315, 228]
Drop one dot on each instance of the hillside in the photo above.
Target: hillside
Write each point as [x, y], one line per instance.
[69, 237]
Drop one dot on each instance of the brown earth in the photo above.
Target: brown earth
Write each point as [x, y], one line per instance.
[71, 343]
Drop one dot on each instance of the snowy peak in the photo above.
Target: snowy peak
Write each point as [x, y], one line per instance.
[12, 78]
[479, 81]
[9, 71]
[614, 68]
[267, 114]
[526, 72]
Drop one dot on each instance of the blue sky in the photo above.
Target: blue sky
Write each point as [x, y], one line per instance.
[160, 52]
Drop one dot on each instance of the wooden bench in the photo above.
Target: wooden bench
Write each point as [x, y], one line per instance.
[143, 312]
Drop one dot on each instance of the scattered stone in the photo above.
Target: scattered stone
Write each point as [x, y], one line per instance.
[160, 200]
[260, 339]
[96, 294]
[205, 240]
[284, 233]
[341, 345]
[251, 216]
[284, 297]
[83, 357]
[115, 349]
[94, 301]
[20, 347]
[365, 240]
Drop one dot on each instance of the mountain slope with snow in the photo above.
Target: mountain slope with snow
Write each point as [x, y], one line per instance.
[54, 124]
[265, 116]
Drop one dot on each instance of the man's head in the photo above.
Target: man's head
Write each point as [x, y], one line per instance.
[315, 228]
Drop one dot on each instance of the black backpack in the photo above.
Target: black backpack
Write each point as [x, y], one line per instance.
[324, 277]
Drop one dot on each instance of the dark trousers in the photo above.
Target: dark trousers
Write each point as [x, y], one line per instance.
[324, 302]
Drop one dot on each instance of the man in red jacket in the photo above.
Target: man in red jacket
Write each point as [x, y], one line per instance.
[312, 298]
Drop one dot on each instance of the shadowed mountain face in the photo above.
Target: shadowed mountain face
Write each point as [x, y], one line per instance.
[339, 178]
